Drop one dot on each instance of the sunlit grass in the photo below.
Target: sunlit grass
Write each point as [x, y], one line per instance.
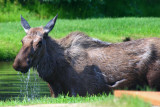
[107, 29]
[99, 100]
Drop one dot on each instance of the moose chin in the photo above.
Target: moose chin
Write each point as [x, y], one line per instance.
[79, 64]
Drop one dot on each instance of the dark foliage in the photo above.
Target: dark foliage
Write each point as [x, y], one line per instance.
[91, 8]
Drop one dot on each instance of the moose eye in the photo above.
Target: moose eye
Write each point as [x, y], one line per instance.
[39, 44]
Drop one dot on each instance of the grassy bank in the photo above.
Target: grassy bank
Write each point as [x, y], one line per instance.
[102, 100]
[107, 29]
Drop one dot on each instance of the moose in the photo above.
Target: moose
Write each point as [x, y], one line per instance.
[78, 64]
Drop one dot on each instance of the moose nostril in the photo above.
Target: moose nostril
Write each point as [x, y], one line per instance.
[14, 66]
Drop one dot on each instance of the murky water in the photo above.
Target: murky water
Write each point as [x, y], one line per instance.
[14, 84]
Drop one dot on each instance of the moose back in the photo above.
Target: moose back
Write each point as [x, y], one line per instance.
[79, 64]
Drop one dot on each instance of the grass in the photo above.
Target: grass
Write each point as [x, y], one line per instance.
[106, 29]
[12, 12]
[100, 100]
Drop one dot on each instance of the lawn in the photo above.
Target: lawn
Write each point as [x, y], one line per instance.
[106, 29]
[100, 100]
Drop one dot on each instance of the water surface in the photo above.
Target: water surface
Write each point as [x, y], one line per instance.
[14, 84]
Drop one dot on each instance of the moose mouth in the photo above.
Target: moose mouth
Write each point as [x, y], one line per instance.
[22, 70]
[22, 66]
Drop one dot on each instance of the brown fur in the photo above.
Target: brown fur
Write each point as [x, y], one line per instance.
[77, 64]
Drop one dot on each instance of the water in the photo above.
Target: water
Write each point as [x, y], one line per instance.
[15, 85]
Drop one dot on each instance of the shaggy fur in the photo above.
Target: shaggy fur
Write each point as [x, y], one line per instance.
[79, 64]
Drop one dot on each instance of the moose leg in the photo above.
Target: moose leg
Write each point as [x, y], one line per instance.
[130, 82]
[153, 76]
[118, 84]
[51, 91]
[55, 89]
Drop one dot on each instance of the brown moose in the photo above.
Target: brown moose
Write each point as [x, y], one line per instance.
[79, 64]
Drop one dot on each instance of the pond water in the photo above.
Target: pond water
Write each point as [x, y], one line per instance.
[15, 85]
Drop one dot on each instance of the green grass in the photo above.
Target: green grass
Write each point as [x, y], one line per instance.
[107, 29]
[100, 100]
[12, 12]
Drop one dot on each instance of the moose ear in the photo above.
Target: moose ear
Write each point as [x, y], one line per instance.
[50, 25]
[25, 24]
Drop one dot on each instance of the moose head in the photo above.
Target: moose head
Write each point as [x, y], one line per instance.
[33, 45]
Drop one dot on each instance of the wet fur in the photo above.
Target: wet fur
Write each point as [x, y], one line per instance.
[79, 65]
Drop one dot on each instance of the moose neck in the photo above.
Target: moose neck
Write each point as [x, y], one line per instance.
[48, 63]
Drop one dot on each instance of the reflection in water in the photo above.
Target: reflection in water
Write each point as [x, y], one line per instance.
[14, 84]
